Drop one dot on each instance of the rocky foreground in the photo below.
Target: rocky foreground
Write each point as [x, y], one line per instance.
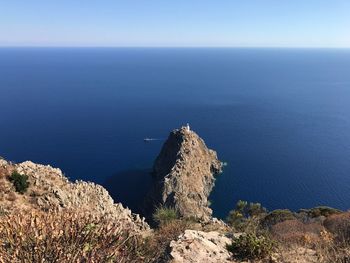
[54, 220]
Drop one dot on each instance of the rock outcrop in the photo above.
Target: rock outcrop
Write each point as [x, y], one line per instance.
[184, 174]
[195, 246]
[198, 247]
[50, 190]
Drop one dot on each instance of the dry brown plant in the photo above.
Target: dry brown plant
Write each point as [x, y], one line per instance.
[65, 237]
[297, 232]
[157, 244]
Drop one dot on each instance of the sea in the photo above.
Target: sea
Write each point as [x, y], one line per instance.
[279, 118]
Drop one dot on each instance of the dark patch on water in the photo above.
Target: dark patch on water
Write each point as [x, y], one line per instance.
[130, 188]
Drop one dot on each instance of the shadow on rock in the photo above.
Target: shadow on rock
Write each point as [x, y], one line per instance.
[130, 188]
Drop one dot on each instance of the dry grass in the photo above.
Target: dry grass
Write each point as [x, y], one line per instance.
[337, 251]
[331, 241]
[4, 185]
[333, 254]
[68, 236]
[157, 244]
[3, 211]
[297, 232]
[65, 237]
[3, 172]
[339, 225]
[11, 197]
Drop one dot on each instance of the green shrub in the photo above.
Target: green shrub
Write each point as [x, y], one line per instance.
[241, 205]
[320, 211]
[236, 219]
[251, 246]
[244, 213]
[255, 209]
[164, 215]
[20, 182]
[277, 216]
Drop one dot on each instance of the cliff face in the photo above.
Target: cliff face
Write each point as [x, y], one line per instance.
[184, 174]
[49, 189]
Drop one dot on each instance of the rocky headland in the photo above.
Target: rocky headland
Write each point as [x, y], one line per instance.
[184, 175]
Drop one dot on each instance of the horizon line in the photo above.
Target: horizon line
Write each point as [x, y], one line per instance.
[165, 47]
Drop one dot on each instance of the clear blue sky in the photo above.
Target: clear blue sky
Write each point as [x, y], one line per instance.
[243, 23]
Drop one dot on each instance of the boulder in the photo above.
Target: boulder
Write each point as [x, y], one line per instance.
[198, 247]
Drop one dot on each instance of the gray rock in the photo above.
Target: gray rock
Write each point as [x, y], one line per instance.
[184, 174]
[198, 247]
[57, 192]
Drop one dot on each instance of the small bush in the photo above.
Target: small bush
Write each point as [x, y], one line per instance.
[339, 225]
[321, 211]
[251, 246]
[255, 209]
[249, 210]
[164, 215]
[297, 232]
[277, 216]
[245, 214]
[236, 219]
[241, 205]
[20, 182]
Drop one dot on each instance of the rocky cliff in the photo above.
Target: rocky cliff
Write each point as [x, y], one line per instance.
[49, 189]
[184, 174]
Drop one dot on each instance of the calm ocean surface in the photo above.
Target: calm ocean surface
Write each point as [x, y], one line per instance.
[279, 117]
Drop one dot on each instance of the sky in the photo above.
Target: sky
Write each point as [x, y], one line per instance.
[177, 23]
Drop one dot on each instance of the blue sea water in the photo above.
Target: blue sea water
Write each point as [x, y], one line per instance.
[280, 118]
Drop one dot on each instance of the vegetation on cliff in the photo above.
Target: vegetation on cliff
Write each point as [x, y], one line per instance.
[251, 246]
[20, 182]
[321, 233]
[163, 215]
[66, 236]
